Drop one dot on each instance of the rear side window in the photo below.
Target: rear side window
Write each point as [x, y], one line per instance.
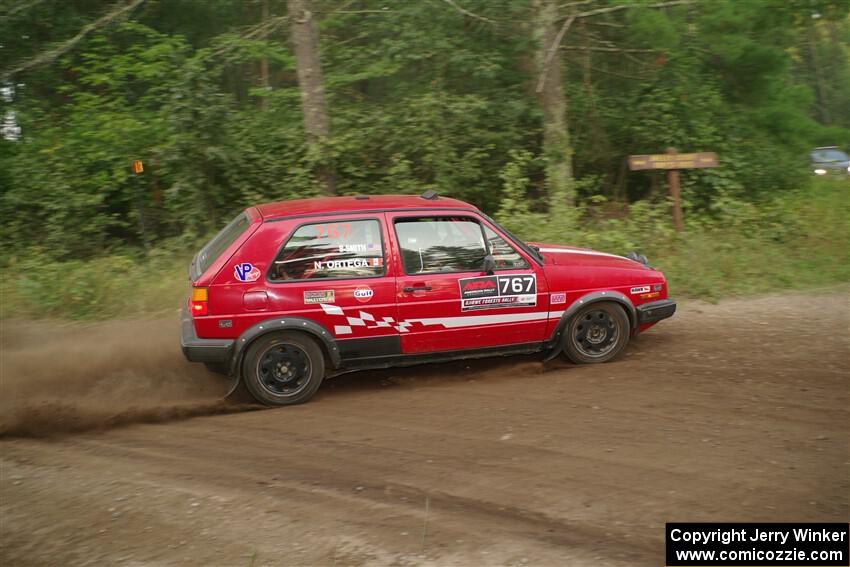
[221, 242]
[331, 250]
[440, 245]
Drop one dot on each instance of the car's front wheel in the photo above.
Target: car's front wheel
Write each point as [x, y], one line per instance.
[597, 333]
[283, 368]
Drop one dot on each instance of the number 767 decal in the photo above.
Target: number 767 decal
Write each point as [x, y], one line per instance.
[490, 292]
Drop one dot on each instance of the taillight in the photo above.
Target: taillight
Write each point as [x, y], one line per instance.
[198, 305]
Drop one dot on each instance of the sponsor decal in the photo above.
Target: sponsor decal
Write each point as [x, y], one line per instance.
[225, 324]
[558, 297]
[363, 294]
[479, 287]
[639, 289]
[319, 296]
[490, 292]
[246, 272]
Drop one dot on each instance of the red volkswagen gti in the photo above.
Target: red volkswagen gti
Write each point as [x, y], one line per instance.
[292, 292]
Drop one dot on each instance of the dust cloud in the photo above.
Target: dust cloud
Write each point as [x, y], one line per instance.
[59, 378]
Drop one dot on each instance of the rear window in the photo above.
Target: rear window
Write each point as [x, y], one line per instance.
[331, 250]
[221, 242]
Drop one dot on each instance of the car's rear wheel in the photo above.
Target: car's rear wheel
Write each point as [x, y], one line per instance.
[283, 368]
[597, 333]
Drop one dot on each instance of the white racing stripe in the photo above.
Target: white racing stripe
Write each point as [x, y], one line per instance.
[331, 309]
[369, 321]
[588, 252]
[475, 320]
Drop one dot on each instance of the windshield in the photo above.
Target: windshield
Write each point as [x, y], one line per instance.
[220, 242]
[826, 156]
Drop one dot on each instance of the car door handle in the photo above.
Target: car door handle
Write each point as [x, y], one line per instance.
[417, 288]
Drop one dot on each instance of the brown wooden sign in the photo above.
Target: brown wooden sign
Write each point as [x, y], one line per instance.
[673, 161]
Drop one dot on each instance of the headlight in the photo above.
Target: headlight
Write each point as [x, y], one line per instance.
[821, 171]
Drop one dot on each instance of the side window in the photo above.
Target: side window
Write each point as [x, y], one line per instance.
[506, 257]
[440, 244]
[347, 249]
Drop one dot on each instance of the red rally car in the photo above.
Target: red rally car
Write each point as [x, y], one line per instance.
[292, 292]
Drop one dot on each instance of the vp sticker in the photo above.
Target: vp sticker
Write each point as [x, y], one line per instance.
[246, 272]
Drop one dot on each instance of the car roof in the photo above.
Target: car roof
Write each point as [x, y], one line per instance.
[358, 204]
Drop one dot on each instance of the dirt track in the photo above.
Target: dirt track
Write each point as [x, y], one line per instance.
[730, 412]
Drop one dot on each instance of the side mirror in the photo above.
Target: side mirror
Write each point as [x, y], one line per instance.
[489, 264]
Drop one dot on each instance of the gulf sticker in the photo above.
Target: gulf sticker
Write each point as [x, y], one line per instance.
[558, 297]
[246, 272]
[640, 289]
[363, 294]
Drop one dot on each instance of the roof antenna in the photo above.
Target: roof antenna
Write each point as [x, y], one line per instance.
[430, 195]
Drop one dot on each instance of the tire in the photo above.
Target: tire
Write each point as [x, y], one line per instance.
[283, 369]
[597, 333]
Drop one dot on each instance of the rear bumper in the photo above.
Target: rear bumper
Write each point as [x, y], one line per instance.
[202, 350]
[655, 311]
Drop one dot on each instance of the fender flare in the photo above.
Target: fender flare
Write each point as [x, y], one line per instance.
[555, 343]
[283, 324]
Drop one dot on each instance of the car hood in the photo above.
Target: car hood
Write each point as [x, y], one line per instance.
[558, 255]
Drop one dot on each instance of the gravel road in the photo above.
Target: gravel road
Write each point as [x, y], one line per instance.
[114, 451]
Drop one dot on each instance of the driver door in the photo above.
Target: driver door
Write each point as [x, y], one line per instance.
[446, 302]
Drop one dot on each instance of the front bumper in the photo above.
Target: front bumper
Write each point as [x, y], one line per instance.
[202, 350]
[655, 311]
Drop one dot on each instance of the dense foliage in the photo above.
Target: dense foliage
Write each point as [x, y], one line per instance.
[426, 94]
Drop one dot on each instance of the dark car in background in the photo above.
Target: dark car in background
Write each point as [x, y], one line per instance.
[830, 161]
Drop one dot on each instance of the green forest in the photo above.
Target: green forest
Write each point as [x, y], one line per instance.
[526, 108]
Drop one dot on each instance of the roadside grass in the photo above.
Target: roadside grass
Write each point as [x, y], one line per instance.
[798, 240]
[114, 286]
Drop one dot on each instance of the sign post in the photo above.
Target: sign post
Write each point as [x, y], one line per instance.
[673, 162]
[138, 168]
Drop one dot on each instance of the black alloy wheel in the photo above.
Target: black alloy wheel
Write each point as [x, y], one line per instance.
[283, 368]
[597, 333]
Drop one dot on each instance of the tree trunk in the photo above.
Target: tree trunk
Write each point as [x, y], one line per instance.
[550, 93]
[305, 38]
[817, 67]
[263, 79]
